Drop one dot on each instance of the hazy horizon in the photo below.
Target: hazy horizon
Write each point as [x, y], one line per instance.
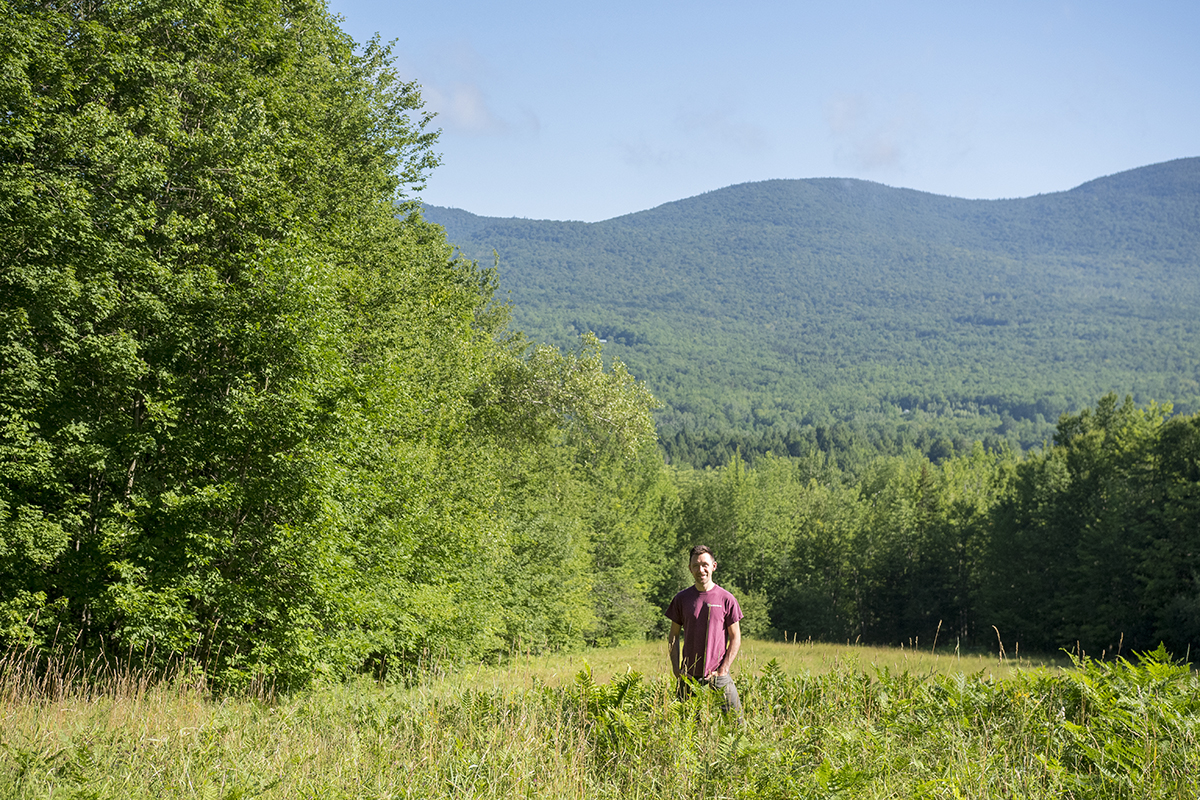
[584, 112]
[826, 177]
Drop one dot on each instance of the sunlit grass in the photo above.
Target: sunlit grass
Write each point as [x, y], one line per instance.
[821, 721]
[795, 658]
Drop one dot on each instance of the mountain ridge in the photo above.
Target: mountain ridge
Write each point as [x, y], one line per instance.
[790, 296]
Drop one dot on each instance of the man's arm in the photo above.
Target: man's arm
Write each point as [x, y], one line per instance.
[733, 643]
[673, 648]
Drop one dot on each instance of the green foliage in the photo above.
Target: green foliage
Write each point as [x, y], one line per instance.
[582, 493]
[180, 188]
[1087, 545]
[604, 407]
[617, 713]
[1126, 729]
[1119, 712]
[248, 411]
[889, 556]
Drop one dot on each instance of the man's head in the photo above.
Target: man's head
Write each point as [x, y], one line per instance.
[702, 565]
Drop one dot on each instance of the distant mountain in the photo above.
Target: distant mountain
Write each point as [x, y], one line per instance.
[788, 303]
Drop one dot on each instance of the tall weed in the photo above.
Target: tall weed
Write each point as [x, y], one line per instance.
[1122, 729]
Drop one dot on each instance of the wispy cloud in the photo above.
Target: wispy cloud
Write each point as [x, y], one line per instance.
[641, 153]
[469, 93]
[844, 113]
[865, 137]
[463, 107]
[718, 124]
[690, 138]
[878, 150]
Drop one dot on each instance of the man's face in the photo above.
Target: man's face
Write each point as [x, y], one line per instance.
[702, 568]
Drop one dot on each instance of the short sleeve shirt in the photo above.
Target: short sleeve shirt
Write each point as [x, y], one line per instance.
[704, 617]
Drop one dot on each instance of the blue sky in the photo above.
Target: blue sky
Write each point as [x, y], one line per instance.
[558, 110]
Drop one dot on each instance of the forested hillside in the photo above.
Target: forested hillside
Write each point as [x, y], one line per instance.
[772, 309]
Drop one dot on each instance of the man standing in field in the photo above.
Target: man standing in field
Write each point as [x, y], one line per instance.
[710, 618]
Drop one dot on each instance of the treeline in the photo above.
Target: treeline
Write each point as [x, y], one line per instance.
[1092, 543]
[850, 446]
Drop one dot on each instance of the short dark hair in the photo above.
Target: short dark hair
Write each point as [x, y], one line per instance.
[700, 550]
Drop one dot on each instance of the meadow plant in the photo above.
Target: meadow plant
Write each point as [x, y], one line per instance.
[1117, 729]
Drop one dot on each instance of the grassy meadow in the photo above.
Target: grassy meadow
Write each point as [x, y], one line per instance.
[820, 721]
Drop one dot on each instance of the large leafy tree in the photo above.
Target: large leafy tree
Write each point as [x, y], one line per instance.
[229, 372]
[584, 495]
[252, 407]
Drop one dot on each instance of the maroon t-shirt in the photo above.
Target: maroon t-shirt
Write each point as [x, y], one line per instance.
[704, 617]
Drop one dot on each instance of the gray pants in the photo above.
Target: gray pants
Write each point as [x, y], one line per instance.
[722, 682]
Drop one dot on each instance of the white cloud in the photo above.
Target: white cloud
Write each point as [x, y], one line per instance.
[470, 94]
[463, 107]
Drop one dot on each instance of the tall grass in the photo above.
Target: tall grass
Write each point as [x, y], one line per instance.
[794, 657]
[826, 723]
